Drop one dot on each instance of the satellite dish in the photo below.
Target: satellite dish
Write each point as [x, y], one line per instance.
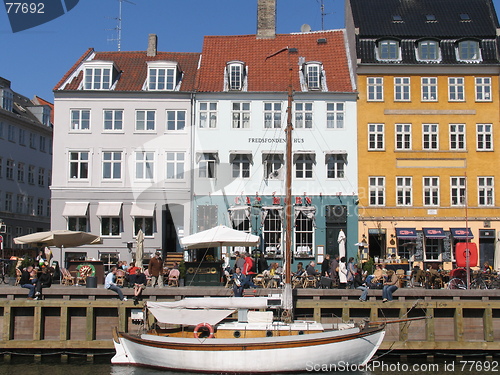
[305, 28]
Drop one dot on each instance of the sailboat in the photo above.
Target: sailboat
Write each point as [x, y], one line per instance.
[194, 334]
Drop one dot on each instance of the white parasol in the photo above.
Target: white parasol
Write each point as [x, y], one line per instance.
[341, 240]
[139, 252]
[219, 236]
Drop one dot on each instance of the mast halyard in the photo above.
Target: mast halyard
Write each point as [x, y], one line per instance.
[287, 292]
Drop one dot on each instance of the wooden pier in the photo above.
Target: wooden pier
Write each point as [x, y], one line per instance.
[81, 319]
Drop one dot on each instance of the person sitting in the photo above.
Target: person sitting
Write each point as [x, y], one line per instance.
[131, 273]
[390, 286]
[173, 277]
[109, 283]
[487, 268]
[238, 281]
[44, 281]
[358, 284]
[140, 282]
[27, 282]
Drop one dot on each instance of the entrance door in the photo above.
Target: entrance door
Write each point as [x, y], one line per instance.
[376, 245]
[332, 235]
[173, 219]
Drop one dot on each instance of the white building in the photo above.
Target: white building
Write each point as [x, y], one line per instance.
[122, 150]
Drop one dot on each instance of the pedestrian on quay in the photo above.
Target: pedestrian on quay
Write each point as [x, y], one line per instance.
[109, 283]
[26, 281]
[155, 268]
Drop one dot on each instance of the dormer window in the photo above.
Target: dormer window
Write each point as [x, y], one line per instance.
[428, 50]
[430, 18]
[235, 75]
[388, 50]
[468, 50]
[163, 76]
[313, 75]
[7, 99]
[98, 75]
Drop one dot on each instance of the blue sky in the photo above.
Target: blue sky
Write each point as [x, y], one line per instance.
[34, 60]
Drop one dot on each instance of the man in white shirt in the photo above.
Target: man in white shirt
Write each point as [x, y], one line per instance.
[110, 284]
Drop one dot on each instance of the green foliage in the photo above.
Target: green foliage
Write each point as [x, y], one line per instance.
[182, 269]
[369, 266]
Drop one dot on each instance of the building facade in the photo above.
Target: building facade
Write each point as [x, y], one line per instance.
[25, 164]
[241, 109]
[123, 150]
[427, 75]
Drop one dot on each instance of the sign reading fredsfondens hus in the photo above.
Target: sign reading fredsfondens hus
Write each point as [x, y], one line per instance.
[273, 140]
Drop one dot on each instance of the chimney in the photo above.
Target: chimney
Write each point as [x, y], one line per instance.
[152, 45]
[266, 19]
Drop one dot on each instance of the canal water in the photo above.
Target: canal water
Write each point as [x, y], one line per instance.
[386, 365]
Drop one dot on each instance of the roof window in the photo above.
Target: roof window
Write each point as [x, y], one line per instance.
[430, 18]
[464, 17]
[235, 76]
[163, 76]
[397, 18]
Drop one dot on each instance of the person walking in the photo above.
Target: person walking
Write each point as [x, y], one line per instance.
[249, 271]
[155, 268]
[109, 283]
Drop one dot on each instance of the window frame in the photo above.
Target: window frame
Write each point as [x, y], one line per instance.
[463, 50]
[113, 121]
[404, 191]
[485, 191]
[112, 163]
[483, 88]
[484, 138]
[388, 50]
[375, 89]
[162, 76]
[430, 137]
[235, 75]
[240, 115]
[336, 165]
[276, 114]
[427, 88]
[79, 163]
[335, 116]
[144, 169]
[208, 115]
[175, 165]
[403, 137]
[207, 165]
[456, 89]
[177, 123]
[458, 185]
[80, 122]
[376, 186]
[402, 89]
[241, 166]
[303, 115]
[146, 121]
[97, 82]
[313, 72]
[111, 220]
[304, 165]
[425, 53]
[376, 137]
[460, 135]
[304, 234]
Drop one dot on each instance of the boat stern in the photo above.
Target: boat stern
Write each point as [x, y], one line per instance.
[121, 356]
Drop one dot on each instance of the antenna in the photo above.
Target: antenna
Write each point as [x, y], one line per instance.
[323, 14]
[118, 27]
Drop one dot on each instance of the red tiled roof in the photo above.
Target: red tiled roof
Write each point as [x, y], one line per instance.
[73, 68]
[41, 101]
[273, 74]
[133, 67]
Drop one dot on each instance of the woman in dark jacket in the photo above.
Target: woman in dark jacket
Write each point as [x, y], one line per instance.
[44, 281]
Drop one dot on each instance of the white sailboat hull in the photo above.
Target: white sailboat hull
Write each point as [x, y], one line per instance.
[265, 355]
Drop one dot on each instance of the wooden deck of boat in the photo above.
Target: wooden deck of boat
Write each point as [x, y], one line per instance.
[81, 318]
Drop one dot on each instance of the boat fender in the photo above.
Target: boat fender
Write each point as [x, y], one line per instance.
[203, 325]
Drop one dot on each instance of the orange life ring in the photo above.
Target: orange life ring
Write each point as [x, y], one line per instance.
[204, 325]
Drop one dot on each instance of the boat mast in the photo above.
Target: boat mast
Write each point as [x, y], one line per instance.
[287, 292]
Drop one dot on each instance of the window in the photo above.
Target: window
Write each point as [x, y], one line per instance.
[312, 72]
[304, 165]
[145, 120]
[486, 193]
[207, 165]
[9, 169]
[272, 230]
[1, 130]
[430, 139]
[97, 78]
[110, 226]
[208, 115]
[236, 74]
[402, 89]
[377, 191]
[484, 137]
[144, 165]
[80, 119]
[11, 133]
[20, 203]
[375, 89]
[388, 50]
[112, 165]
[403, 191]
[78, 165]
[241, 115]
[240, 218]
[335, 165]
[144, 223]
[31, 174]
[272, 115]
[206, 217]
[458, 197]
[113, 119]
[304, 234]
[7, 99]
[273, 164]
[33, 140]
[433, 248]
[431, 191]
[1, 167]
[457, 136]
[376, 137]
[47, 212]
[40, 206]
[240, 164]
[31, 206]
[483, 89]
[176, 120]
[303, 115]
[8, 202]
[468, 50]
[43, 144]
[428, 50]
[429, 89]
[403, 136]
[161, 76]
[175, 165]
[335, 114]
[41, 176]
[110, 260]
[20, 172]
[22, 137]
[456, 89]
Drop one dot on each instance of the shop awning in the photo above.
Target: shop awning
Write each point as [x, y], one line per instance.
[434, 233]
[406, 233]
[109, 209]
[461, 233]
[78, 209]
[143, 209]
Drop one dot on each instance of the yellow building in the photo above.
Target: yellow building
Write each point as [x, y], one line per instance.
[428, 115]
